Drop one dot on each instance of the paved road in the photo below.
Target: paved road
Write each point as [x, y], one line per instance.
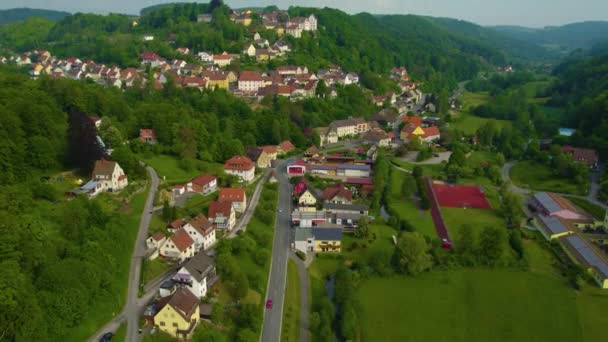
[253, 203]
[132, 308]
[303, 283]
[271, 326]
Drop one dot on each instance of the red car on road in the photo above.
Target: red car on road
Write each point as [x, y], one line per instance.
[269, 304]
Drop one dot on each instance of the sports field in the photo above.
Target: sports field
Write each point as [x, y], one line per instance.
[460, 196]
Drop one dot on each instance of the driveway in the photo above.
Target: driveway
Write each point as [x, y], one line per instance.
[132, 307]
[253, 203]
[271, 326]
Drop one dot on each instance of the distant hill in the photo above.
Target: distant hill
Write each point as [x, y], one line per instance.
[517, 48]
[19, 14]
[560, 38]
[149, 9]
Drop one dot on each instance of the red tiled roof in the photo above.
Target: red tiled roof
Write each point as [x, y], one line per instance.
[286, 146]
[177, 224]
[203, 180]
[158, 236]
[231, 195]
[337, 190]
[269, 149]
[216, 207]
[150, 56]
[416, 120]
[431, 131]
[222, 56]
[239, 163]
[103, 168]
[147, 133]
[582, 155]
[182, 240]
[250, 76]
[202, 224]
[184, 302]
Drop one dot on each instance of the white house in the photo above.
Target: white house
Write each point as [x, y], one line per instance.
[194, 274]
[250, 81]
[206, 57]
[107, 176]
[241, 167]
[201, 231]
[156, 241]
[179, 246]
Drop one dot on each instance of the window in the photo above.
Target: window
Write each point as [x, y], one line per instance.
[162, 324]
[175, 325]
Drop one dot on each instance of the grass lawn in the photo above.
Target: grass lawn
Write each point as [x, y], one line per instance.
[532, 175]
[152, 269]
[469, 123]
[120, 333]
[408, 208]
[291, 307]
[595, 210]
[470, 305]
[168, 166]
[435, 170]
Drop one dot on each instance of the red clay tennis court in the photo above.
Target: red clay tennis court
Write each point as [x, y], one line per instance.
[460, 196]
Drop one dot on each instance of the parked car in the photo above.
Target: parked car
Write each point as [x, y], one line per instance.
[107, 337]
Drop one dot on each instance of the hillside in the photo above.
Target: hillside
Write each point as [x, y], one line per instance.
[519, 49]
[560, 38]
[18, 14]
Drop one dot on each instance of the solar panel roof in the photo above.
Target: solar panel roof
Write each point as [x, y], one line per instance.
[546, 201]
[590, 257]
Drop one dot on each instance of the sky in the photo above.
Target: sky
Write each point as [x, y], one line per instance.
[531, 13]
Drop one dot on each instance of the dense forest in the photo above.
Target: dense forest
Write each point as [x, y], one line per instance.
[59, 259]
[582, 88]
[18, 14]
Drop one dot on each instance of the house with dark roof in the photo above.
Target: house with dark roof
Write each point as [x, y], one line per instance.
[196, 273]
[260, 157]
[327, 240]
[178, 314]
[346, 208]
